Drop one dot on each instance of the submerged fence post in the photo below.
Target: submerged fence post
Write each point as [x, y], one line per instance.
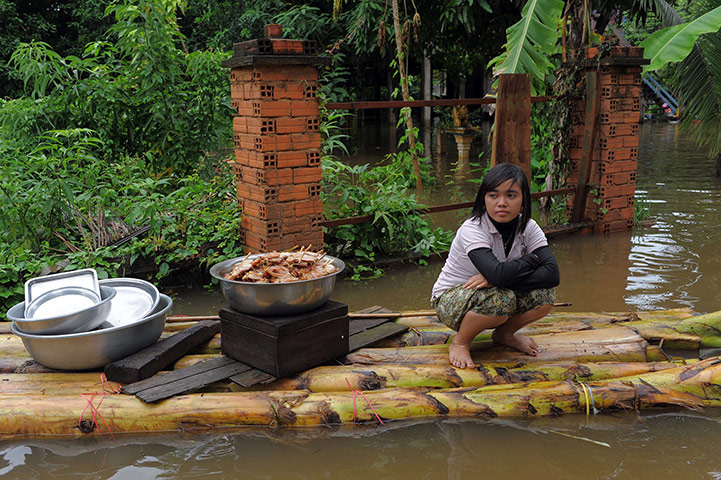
[276, 134]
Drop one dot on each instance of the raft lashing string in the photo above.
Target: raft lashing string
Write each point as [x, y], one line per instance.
[87, 426]
[355, 394]
[587, 392]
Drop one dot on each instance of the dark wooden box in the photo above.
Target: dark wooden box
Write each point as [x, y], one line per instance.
[284, 345]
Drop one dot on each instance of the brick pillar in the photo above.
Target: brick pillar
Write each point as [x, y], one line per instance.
[614, 156]
[277, 141]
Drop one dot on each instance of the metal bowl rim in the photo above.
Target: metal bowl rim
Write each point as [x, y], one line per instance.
[59, 292]
[214, 271]
[148, 318]
[110, 295]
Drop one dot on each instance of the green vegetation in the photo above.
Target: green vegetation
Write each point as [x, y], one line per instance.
[120, 141]
[382, 192]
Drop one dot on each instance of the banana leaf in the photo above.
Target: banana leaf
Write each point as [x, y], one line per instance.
[531, 41]
[673, 44]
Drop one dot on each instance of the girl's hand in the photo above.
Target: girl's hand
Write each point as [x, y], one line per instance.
[477, 281]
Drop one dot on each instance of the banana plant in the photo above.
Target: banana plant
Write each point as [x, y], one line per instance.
[696, 45]
[531, 41]
[697, 78]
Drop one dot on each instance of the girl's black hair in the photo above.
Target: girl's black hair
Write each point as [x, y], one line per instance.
[496, 176]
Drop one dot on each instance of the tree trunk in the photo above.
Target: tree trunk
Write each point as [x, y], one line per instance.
[406, 96]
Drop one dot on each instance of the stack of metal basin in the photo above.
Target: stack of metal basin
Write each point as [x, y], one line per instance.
[73, 321]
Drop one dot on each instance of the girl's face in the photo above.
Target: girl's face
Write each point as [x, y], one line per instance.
[504, 203]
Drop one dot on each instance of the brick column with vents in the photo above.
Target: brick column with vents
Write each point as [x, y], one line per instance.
[277, 141]
[614, 154]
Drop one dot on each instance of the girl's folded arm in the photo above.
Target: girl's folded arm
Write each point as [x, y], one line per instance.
[502, 274]
[546, 275]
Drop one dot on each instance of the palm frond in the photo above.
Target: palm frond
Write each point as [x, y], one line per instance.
[531, 41]
[673, 44]
[698, 81]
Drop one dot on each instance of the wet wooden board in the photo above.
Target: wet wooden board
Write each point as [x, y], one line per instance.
[368, 337]
[251, 377]
[156, 357]
[364, 332]
[185, 380]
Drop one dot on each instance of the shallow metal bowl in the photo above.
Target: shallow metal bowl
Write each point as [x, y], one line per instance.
[82, 320]
[275, 298]
[90, 350]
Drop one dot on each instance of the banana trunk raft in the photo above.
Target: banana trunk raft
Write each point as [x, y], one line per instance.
[587, 362]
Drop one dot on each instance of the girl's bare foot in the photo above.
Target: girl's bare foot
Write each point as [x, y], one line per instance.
[516, 340]
[459, 355]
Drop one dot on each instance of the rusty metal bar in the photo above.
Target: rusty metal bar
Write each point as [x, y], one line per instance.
[436, 209]
[446, 102]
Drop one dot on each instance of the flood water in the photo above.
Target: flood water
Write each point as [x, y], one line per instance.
[672, 262]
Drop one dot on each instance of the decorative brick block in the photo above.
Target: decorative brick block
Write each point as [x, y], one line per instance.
[293, 124]
[255, 243]
[313, 206]
[301, 223]
[305, 141]
[290, 193]
[269, 73]
[252, 158]
[254, 126]
[267, 176]
[292, 159]
[257, 193]
[304, 108]
[307, 175]
[619, 178]
[618, 165]
[617, 191]
[618, 130]
[262, 108]
[614, 227]
[313, 240]
[263, 211]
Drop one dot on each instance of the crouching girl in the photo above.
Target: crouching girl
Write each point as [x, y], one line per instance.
[500, 272]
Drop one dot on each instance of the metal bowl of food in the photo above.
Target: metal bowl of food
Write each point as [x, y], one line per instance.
[279, 298]
[67, 318]
[90, 350]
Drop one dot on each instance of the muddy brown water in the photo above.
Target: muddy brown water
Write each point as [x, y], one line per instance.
[673, 262]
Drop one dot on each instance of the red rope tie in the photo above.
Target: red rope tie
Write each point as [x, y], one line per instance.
[355, 394]
[95, 409]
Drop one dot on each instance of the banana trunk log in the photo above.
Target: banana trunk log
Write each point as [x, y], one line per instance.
[618, 344]
[676, 328]
[375, 377]
[559, 317]
[337, 378]
[693, 387]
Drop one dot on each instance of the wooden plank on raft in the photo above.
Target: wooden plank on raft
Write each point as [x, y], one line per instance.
[185, 380]
[156, 357]
[379, 332]
[251, 377]
[512, 126]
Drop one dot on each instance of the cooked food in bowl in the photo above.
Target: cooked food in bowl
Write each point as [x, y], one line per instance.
[280, 267]
[297, 294]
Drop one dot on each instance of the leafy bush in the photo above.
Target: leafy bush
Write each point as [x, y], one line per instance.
[110, 162]
[381, 192]
[141, 93]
